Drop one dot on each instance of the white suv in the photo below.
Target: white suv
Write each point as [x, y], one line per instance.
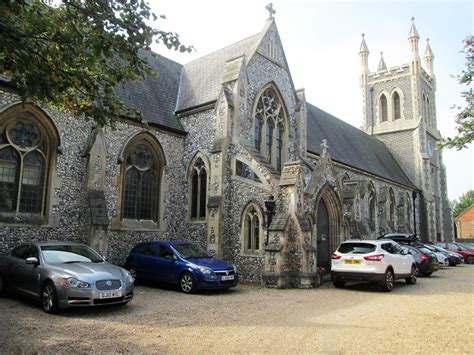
[381, 261]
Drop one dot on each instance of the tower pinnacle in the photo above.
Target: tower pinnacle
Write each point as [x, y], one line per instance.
[429, 56]
[382, 65]
[363, 46]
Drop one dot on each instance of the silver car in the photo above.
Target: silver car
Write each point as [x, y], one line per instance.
[64, 274]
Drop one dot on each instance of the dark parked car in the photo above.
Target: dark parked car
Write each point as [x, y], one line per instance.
[182, 263]
[458, 248]
[453, 258]
[426, 261]
[402, 238]
[64, 274]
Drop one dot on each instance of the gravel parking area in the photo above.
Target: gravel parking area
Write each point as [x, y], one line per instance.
[433, 316]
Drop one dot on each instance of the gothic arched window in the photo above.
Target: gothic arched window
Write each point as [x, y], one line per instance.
[383, 108]
[396, 106]
[198, 189]
[26, 152]
[251, 230]
[270, 117]
[141, 179]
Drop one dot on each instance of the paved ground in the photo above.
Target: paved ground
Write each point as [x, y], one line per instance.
[433, 316]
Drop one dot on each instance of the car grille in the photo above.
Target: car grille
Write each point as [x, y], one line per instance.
[108, 300]
[105, 285]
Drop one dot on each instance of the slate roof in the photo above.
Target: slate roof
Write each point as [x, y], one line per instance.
[200, 79]
[155, 97]
[351, 146]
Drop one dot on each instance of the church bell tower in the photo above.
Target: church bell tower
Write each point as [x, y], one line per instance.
[399, 109]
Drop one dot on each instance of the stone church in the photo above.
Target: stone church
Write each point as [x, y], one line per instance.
[230, 155]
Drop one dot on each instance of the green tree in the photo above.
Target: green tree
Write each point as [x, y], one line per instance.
[465, 116]
[73, 55]
[464, 202]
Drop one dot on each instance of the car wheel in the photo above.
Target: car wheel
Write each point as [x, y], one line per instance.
[470, 260]
[339, 284]
[411, 280]
[388, 282]
[49, 298]
[3, 286]
[186, 283]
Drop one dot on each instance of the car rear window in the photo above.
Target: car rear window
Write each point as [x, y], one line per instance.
[356, 248]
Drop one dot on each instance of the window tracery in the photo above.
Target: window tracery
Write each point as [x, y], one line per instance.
[24, 160]
[270, 127]
[251, 230]
[140, 184]
[198, 190]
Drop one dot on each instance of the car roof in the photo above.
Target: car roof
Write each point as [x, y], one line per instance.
[164, 242]
[372, 241]
[53, 242]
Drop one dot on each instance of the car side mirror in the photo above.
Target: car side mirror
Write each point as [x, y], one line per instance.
[403, 252]
[32, 260]
[170, 257]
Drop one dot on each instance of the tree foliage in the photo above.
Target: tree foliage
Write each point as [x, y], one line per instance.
[72, 56]
[465, 116]
[464, 202]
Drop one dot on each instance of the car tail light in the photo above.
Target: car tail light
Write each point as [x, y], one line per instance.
[335, 256]
[424, 257]
[376, 257]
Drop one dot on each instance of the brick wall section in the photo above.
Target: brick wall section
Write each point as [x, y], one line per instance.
[465, 224]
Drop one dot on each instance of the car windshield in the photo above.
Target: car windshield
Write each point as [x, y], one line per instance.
[437, 248]
[191, 251]
[426, 251]
[68, 254]
[462, 247]
[356, 248]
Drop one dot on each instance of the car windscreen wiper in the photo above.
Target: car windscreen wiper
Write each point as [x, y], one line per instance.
[72, 262]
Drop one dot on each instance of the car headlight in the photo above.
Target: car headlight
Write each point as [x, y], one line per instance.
[205, 270]
[129, 278]
[235, 269]
[73, 282]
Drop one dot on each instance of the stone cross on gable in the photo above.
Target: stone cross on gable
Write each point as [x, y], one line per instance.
[270, 9]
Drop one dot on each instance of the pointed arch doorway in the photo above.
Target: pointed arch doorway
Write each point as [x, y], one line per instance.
[328, 227]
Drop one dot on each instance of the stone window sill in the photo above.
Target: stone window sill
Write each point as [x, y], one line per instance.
[135, 225]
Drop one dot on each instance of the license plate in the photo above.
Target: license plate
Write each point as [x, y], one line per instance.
[103, 295]
[227, 277]
[357, 262]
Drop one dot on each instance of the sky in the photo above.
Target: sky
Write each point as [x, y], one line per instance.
[321, 40]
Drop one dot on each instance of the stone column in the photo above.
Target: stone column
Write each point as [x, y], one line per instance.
[96, 152]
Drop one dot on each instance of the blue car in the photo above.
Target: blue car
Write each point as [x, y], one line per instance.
[182, 263]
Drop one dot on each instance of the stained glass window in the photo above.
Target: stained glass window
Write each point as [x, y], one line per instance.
[140, 188]
[198, 190]
[270, 119]
[23, 166]
[251, 229]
